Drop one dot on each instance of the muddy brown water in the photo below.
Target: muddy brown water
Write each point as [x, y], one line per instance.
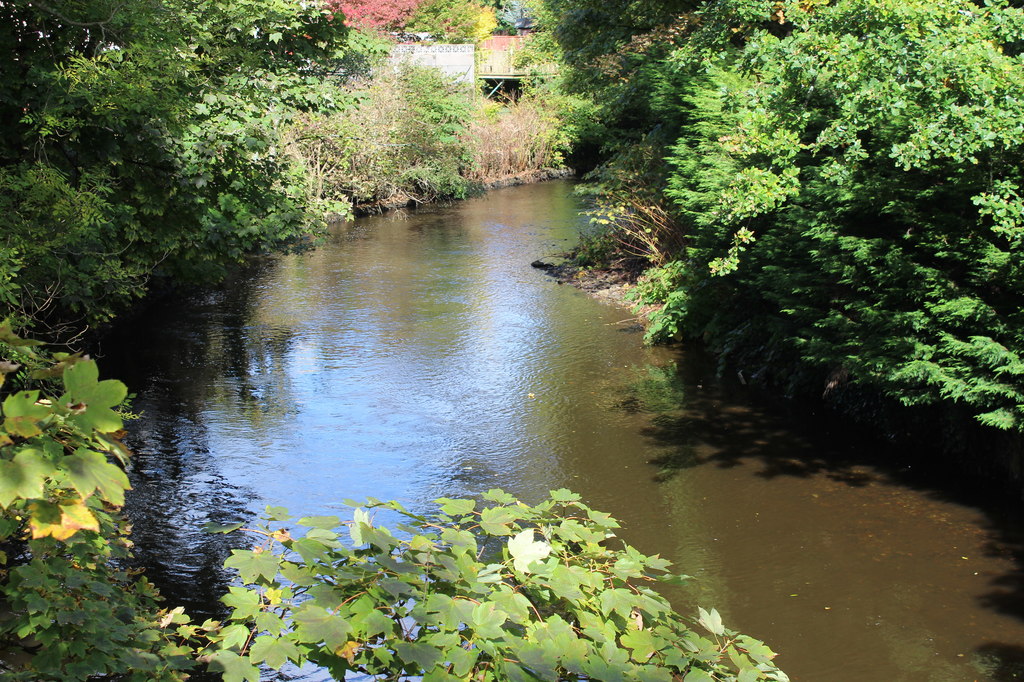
[418, 355]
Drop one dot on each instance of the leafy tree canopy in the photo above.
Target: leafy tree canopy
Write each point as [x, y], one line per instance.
[382, 14]
[843, 186]
[141, 138]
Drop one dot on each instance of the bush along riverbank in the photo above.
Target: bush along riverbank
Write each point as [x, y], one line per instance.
[829, 198]
[413, 136]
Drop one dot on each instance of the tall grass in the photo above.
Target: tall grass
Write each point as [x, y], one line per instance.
[513, 140]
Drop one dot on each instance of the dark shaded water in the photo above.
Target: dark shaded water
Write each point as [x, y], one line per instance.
[418, 356]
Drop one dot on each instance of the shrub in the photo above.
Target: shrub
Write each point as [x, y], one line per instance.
[69, 606]
[505, 591]
[403, 142]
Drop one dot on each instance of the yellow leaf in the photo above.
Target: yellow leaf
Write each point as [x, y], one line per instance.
[73, 518]
[348, 652]
[273, 595]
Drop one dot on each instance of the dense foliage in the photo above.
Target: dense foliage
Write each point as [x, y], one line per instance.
[403, 143]
[415, 137]
[842, 183]
[380, 14]
[70, 609]
[449, 21]
[505, 591]
[141, 139]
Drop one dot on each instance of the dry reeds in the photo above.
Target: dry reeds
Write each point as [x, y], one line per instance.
[515, 139]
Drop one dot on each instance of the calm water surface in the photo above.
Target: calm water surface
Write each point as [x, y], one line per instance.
[416, 356]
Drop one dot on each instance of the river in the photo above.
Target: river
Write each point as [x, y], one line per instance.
[418, 355]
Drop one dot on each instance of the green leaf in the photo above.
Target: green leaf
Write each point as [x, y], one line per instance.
[90, 401]
[315, 624]
[277, 514]
[270, 623]
[564, 496]
[462, 660]
[372, 623]
[87, 471]
[24, 477]
[755, 648]
[360, 521]
[541, 661]
[616, 600]
[612, 664]
[601, 519]
[274, 651]
[22, 415]
[513, 603]
[676, 579]
[425, 656]
[456, 507]
[235, 668]
[310, 550]
[749, 675]
[234, 636]
[525, 550]
[498, 495]
[655, 673]
[245, 603]
[488, 620]
[253, 565]
[495, 520]
[81, 378]
[712, 621]
[322, 522]
[642, 643]
[565, 583]
[298, 575]
[212, 527]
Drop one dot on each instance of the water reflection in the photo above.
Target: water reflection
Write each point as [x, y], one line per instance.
[418, 356]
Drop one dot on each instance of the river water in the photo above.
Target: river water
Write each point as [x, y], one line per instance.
[418, 355]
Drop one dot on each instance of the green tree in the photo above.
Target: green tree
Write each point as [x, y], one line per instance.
[877, 161]
[142, 139]
[453, 21]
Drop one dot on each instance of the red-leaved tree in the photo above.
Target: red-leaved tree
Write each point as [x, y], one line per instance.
[384, 14]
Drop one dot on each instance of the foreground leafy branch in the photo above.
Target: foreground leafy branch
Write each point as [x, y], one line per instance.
[69, 609]
[492, 591]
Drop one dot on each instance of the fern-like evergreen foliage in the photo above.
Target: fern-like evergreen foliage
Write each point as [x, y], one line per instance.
[849, 179]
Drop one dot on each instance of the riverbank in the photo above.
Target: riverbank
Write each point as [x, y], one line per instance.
[609, 283]
[405, 200]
